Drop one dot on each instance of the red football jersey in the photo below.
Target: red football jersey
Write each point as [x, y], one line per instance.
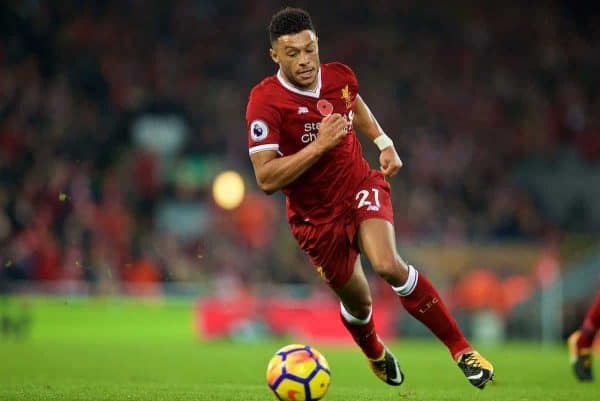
[284, 118]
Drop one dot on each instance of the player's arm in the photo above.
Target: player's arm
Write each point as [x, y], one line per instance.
[365, 122]
[273, 172]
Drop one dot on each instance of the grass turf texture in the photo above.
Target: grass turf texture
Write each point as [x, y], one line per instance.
[125, 350]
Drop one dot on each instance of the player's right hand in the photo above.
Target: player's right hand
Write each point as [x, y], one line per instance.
[332, 130]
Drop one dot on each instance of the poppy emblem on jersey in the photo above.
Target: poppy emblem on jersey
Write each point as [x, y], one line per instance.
[258, 130]
[324, 107]
[347, 96]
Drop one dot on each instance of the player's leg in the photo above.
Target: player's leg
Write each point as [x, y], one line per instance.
[581, 341]
[335, 255]
[419, 297]
[356, 313]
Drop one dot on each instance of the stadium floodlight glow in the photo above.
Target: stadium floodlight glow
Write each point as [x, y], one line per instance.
[228, 189]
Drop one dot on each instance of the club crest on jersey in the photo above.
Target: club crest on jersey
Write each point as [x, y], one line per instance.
[322, 274]
[347, 96]
[259, 130]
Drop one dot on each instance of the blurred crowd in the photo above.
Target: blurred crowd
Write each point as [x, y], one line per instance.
[115, 116]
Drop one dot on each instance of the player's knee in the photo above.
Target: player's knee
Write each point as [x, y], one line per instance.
[360, 309]
[392, 269]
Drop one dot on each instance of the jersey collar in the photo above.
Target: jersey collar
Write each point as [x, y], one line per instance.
[310, 93]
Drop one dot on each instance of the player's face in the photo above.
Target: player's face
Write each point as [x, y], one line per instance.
[298, 57]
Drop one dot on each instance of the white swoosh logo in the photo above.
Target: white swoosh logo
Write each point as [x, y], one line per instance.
[477, 376]
[398, 374]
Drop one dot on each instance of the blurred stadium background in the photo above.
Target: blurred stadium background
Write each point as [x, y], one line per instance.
[117, 116]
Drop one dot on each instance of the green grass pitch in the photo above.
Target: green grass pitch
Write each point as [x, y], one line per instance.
[122, 350]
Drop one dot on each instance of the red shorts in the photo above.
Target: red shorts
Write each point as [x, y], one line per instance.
[332, 247]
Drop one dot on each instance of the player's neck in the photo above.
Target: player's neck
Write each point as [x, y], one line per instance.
[314, 87]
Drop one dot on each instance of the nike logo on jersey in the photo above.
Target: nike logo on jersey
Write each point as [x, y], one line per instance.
[302, 110]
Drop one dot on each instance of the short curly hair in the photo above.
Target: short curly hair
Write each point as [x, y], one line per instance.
[289, 20]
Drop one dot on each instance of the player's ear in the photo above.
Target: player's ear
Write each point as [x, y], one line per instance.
[273, 55]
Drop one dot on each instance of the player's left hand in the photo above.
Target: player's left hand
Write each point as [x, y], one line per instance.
[390, 161]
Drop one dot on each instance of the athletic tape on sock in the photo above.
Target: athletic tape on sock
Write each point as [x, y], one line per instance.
[411, 282]
[352, 319]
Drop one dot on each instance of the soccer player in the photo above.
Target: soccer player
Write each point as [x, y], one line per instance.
[301, 136]
[581, 341]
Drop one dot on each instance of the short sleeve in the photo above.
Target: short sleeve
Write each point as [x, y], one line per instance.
[263, 121]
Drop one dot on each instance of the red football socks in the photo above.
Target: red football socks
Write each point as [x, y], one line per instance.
[590, 325]
[364, 334]
[424, 303]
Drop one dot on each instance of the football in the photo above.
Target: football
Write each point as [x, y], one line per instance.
[298, 372]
